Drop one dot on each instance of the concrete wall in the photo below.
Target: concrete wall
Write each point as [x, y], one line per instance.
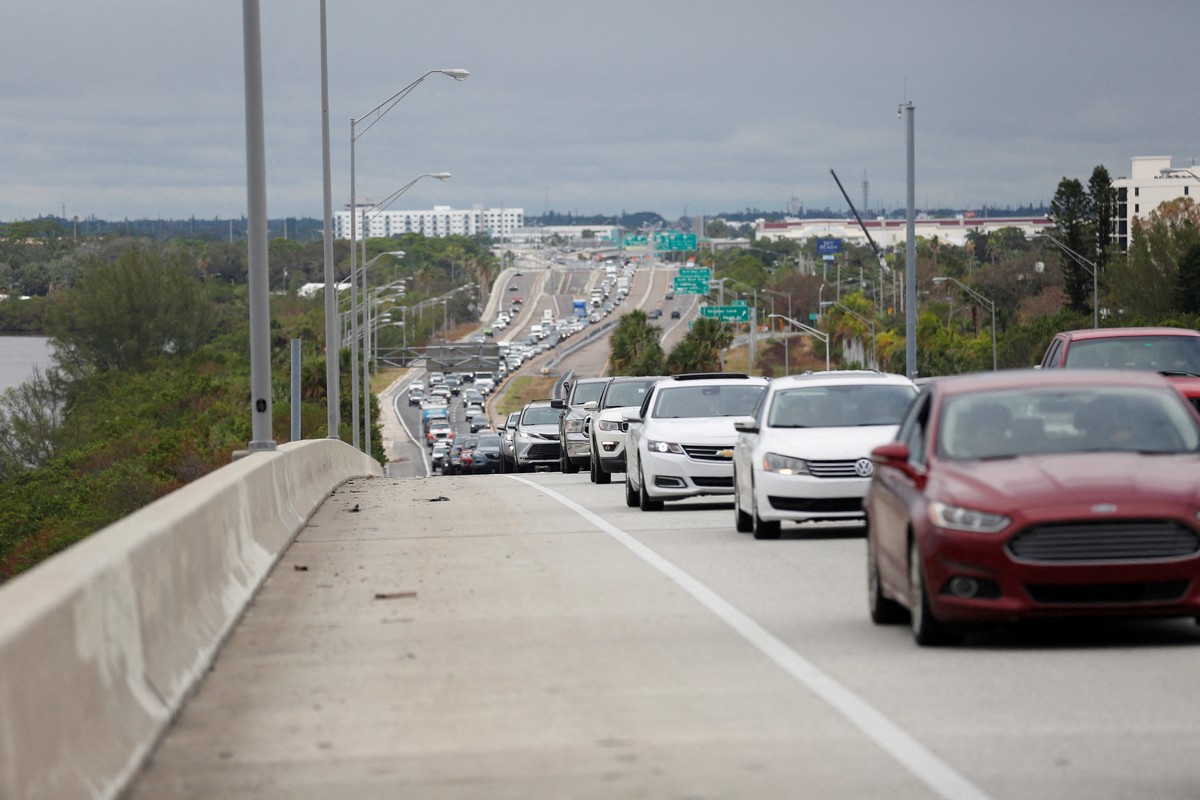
[100, 645]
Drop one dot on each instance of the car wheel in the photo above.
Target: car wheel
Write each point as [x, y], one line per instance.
[883, 610]
[631, 496]
[645, 501]
[927, 629]
[741, 520]
[601, 475]
[762, 528]
[593, 468]
[567, 466]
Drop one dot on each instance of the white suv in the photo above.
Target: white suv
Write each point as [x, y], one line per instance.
[680, 441]
[806, 454]
[606, 425]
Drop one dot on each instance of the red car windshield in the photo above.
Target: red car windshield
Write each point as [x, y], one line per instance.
[1168, 354]
[1083, 420]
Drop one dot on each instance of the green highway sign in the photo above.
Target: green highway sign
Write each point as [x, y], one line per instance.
[696, 272]
[739, 303]
[726, 313]
[636, 241]
[674, 240]
[689, 286]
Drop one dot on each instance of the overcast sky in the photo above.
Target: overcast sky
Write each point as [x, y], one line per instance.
[135, 108]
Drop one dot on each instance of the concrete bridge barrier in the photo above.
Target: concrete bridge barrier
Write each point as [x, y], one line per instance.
[101, 644]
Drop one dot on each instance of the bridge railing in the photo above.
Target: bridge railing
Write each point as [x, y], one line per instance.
[101, 644]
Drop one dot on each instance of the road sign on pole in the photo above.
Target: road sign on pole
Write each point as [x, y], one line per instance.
[726, 313]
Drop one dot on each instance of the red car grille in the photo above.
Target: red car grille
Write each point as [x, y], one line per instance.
[1127, 540]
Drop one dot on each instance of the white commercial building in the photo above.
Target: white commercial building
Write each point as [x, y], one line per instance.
[1152, 182]
[890, 233]
[437, 222]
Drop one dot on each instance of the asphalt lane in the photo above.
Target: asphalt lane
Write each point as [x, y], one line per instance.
[532, 637]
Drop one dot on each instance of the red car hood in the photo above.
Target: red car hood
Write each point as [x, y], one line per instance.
[1060, 480]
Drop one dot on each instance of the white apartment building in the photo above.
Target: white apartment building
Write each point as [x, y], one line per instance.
[1152, 182]
[440, 221]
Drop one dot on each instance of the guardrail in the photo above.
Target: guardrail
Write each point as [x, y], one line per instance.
[101, 644]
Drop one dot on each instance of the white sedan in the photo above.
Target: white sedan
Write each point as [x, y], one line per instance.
[680, 442]
[806, 454]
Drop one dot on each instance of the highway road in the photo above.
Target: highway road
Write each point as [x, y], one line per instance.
[532, 637]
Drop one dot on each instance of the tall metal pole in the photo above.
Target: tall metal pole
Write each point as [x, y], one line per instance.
[366, 369]
[910, 254]
[353, 296]
[256, 234]
[333, 346]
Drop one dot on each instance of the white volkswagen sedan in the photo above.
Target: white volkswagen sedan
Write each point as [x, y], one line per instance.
[806, 453]
[680, 441]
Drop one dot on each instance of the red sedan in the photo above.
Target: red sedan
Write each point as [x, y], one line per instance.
[1027, 494]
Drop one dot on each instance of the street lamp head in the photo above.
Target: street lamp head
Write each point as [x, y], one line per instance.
[940, 279]
[441, 176]
[396, 253]
[457, 74]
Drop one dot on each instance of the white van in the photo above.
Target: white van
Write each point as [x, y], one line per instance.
[547, 317]
[536, 331]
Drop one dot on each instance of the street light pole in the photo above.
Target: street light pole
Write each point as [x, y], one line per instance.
[1091, 267]
[865, 321]
[991, 305]
[378, 112]
[787, 362]
[333, 347]
[809, 330]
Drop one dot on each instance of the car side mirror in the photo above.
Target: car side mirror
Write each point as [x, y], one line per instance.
[558, 402]
[892, 454]
[590, 405]
[632, 415]
[745, 424]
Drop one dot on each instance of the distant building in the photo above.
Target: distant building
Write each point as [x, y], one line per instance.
[889, 233]
[437, 222]
[1152, 182]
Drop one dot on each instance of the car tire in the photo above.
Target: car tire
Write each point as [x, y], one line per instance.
[742, 521]
[602, 476]
[762, 528]
[927, 629]
[567, 466]
[593, 468]
[883, 610]
[631, 496]
[645, 501]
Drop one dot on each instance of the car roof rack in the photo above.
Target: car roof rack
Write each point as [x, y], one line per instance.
[702, 376]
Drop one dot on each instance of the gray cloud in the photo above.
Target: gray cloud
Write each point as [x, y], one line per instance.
[135, 108]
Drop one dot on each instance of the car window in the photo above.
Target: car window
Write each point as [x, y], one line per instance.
[914, 427]
[687, 402]
[1084, 420]
[1157, 353]
[1052, 355]
[587, 392]
[627, 394]
[839, 406]
[540, 415]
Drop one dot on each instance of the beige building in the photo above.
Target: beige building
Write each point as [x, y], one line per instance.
[890, 233]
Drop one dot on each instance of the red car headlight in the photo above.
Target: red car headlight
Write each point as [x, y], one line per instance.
[971, 520]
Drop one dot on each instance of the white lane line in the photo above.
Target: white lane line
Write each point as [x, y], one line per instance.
[907, 751]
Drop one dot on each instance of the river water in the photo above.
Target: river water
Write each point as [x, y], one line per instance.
[19, 355]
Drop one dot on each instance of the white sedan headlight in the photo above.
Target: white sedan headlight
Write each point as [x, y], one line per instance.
[966, 519]
[609, 425]
[663, 447]
[784, 465]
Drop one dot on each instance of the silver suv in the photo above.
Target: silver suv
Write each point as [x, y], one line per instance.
[535, 442]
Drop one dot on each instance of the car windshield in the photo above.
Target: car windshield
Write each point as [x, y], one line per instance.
[540, 415]
[1170, 354]
[1083, 420]
[840, 406]
[625, 394]
[587, 392]
[685, 402]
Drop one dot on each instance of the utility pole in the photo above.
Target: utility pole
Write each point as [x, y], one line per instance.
[910, 253]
